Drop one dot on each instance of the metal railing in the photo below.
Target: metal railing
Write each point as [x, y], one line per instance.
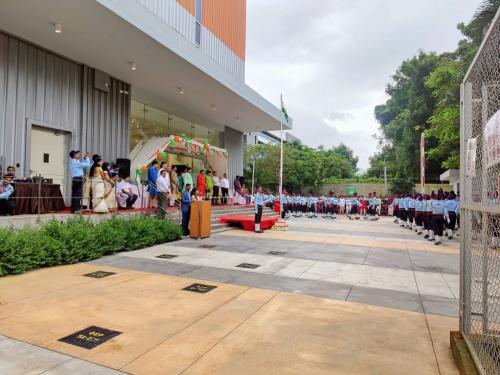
[480, 210]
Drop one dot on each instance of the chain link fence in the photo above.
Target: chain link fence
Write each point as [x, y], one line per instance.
[480, 210]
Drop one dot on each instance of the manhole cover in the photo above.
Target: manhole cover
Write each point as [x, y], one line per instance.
[277, 253]
[99, 274]
[90, 337]
[200, 288]
[248, 265]
[167, 256]
[207, 246]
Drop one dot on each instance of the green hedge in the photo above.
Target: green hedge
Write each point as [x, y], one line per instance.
[79, 240]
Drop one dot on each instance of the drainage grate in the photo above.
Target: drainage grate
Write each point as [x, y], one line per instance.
[207, 246]
[248, 265]
[90, 337]
[167, 256]
[99, 274]
[277, 252]
[200, 288]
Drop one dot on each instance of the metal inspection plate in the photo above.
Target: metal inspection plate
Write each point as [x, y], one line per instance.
[99, 274]
[200, 288]
[90, 337]
[248, 265]
[277, 252]
[167, 256]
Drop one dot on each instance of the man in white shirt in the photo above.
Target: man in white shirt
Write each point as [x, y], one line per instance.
[163, 189]
[224, 185]
[124, 194]
[216, 187]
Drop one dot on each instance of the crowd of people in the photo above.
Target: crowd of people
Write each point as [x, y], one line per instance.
[432, 214]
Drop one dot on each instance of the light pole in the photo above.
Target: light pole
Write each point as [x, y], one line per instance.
[253, 174]
[385, 164]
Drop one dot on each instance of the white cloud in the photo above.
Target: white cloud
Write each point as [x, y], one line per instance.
[332, 59]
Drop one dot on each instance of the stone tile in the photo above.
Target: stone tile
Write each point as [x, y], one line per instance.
[76, 366]
[432, 284]
[440, 305]
[330, 253]
[388, 258]
[19, 358]
[439, 328]
[286, 284]
[453, 282]
[212, 274]
[386, 298]
[435, 262]
[156, 266]
[296, 268]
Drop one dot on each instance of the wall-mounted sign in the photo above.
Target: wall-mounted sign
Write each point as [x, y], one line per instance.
[470, 157]
[492, 141]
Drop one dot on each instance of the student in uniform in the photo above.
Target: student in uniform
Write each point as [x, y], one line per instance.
[428, 232]
[402, 211]
[419, 213]
[411, 211]
[450, 211]
[438, 214]
[354, 207]
[284, 204]
[259, 203]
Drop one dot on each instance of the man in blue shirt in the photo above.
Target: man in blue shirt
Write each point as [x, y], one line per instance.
[77, 168]
[259, 202]
[186, 208]
[7, 205]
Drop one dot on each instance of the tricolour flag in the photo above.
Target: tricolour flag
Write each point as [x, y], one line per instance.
[283, 109]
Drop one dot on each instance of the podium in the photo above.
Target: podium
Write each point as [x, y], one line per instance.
[201, 217]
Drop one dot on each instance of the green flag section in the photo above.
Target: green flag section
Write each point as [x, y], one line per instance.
[283, 109]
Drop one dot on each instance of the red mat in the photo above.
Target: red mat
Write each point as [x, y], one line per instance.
[248, 222]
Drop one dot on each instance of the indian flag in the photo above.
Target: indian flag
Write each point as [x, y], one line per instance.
[283, 109]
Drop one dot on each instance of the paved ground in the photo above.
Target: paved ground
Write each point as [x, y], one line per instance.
[326, 297]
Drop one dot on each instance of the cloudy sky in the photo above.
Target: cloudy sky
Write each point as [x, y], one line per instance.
[332, 59]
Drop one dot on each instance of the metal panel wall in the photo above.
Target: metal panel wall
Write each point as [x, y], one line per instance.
[38, 86]
[105, 117]
[233, 143]
[182, 21]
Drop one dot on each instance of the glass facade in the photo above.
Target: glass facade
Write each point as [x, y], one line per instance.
[149, 122]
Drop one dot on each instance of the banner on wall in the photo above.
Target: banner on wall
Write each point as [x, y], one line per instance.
[470, 157]
[492, 141]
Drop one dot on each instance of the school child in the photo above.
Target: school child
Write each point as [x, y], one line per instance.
[284, 205]
[438, 214]
[403, 211]
[311, 206]
[259, 202]
[372, 207]
[335, 202]
[363, 203]
[428, 232]
[354, 202]
[450, 211]
[419, 213]
[411, 211]
[395, 208]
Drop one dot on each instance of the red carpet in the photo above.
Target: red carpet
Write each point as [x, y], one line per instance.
[248, 222]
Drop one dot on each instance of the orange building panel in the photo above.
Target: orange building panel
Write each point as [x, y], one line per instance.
[226, 19]
[189, 5]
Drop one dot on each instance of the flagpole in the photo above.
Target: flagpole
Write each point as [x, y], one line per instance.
[281, 157]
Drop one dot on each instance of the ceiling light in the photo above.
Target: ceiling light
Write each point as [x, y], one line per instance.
[58, 28]
[180, 90]
[213, 107]
[133, 66]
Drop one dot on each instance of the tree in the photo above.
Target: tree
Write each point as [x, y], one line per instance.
[303, 166]
[347, 154]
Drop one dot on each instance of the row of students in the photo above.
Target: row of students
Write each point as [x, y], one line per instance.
[432, 215]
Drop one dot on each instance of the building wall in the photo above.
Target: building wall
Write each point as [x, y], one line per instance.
[41, 88]
[223, 29]
[233, 142]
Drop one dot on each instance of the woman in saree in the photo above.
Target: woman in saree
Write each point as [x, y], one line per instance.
[98, 188]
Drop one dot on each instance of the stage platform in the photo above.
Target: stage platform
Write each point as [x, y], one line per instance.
[248, 222]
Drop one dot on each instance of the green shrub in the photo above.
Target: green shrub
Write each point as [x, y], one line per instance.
[78, 240]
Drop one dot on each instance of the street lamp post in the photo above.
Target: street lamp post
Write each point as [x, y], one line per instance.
[385, 164]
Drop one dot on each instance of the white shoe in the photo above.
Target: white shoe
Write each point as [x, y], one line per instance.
[438, 240]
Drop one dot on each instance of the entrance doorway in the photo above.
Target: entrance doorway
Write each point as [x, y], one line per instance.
[48, 149]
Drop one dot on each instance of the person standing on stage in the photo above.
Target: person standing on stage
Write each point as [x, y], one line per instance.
[186, 208]
[152, 177]
[201, 184]
[209, 183]
[216, 183]
[77, 168]
[174, 185]
[224, 185]
[187, 178]
[163, 189]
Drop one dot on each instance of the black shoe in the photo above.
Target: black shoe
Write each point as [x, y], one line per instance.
[259, 231]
